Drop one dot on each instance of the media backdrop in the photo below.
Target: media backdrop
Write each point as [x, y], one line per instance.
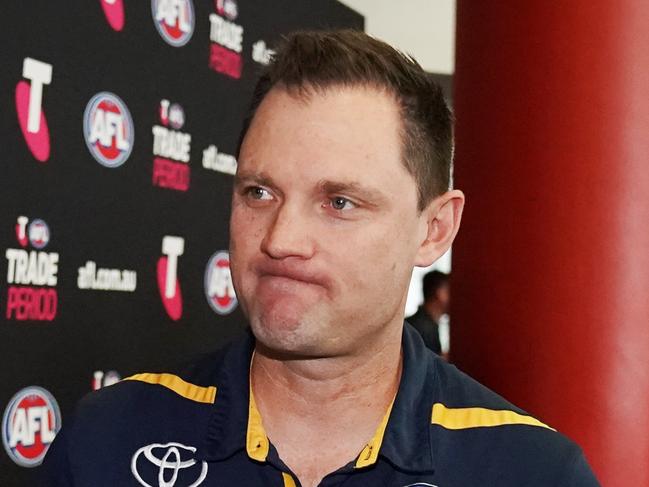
[119, 122]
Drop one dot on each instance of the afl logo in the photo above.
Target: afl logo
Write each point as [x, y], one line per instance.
[219, 289]
[108, 129]
[29, 425]
[39, 234]
[171, 114]
[176, 116]
[174, 20]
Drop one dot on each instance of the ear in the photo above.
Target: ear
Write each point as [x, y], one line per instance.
[440, 223]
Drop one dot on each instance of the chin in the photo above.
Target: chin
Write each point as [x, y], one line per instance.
[286, 334]
[276, 333]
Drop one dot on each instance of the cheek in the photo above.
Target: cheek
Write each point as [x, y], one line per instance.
[245, 234]
[245, 227]
[368, 258]
[378, 258]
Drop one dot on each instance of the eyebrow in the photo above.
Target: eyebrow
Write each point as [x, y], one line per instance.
[370, 196]
[261, 178]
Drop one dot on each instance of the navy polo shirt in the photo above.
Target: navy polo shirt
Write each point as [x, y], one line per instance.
[202, 428]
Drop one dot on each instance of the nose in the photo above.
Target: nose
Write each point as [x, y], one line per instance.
[288, 234]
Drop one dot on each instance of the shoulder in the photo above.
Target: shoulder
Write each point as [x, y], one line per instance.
[472, 425]
[148, 408]
[136, 408]
[179, 398]
[153, 394]
[112, 427]
[456, 388]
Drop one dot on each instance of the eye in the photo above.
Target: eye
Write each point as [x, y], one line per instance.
[258, 193]
[340, 203]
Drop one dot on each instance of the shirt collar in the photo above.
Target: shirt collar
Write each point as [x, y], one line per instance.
[257, 443]
[407, 443]
[403, 437]
[228, 424]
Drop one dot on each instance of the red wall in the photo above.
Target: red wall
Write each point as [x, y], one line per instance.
[551, 267]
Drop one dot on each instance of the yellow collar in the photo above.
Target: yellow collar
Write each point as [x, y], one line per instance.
[257, 443]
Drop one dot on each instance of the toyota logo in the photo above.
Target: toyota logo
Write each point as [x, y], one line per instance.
[171, 459]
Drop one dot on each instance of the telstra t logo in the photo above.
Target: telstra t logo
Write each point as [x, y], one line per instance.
[29, 98]
[168, 284]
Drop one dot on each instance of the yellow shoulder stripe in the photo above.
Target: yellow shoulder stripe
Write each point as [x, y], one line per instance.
[173, 382]
[463, 418]
[288, 480]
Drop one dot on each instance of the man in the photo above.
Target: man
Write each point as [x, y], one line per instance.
[436, 300]
[342, 187]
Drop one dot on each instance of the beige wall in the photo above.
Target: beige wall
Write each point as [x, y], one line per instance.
[423, 28]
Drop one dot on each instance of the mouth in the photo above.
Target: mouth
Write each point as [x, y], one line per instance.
[291, 274]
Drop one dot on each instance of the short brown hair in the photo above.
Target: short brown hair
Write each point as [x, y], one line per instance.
[322, 59]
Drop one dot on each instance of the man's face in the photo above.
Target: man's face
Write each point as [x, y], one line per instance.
[324, 225]
[444, 296]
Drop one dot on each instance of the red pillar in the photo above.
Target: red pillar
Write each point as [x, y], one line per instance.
[551, 267]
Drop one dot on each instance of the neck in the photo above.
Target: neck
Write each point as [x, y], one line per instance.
[369, 374]
[336, 402]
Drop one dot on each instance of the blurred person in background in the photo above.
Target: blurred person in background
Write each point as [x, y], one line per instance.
[428, 318]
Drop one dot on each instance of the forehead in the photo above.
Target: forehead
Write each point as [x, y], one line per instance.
[340, 131]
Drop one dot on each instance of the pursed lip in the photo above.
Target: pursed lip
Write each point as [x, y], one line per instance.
[294, 271]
